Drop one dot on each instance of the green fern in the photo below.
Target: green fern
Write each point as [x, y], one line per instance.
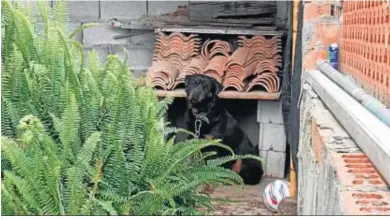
[79, 138]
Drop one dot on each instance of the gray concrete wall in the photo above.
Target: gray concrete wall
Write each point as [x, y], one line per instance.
[141, 46]
[101, 39]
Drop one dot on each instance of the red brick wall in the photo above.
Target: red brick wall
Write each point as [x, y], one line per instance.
[320, 29]
[362, 189]
[335, 177]
[365, 50]
[363, 36]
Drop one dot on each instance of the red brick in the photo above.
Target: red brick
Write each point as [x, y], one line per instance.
[365, 203]
[317, 142]
[310, 11]
[356, 171]
[328, 33]
[311, 58]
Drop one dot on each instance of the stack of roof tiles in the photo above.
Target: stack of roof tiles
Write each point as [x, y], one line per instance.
[172, 53]
[254, 63]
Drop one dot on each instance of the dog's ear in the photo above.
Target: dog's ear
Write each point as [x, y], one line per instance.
[217, 86]
[188, 79]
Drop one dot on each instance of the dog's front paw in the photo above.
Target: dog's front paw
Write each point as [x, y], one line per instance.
[208, 189]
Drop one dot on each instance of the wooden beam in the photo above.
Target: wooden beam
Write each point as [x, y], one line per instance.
[206, 11]
[293, 173]
[219, 30]
[369, 133]
[254, 95]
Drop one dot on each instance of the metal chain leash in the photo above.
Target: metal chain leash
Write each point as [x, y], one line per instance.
[198, 123]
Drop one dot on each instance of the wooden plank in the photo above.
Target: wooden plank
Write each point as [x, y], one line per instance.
[368, 132]
[255, 95]
[258, 21]
[293, 180]
[186, 22]
[208, 10]
[219, 30]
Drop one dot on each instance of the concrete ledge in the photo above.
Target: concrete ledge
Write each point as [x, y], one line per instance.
[371, 135]
[335, 176]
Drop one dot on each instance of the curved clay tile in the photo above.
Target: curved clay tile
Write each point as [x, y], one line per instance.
[266, 65]
[211, 48]
[234, 84]
[240, 55]
[163, 36]
[276, 59]
[250, 69]
[216, 65]
[270, 82]
[261, 40]
[195, 66]
[163, 73]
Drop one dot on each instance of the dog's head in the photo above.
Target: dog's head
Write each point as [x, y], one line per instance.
[201, 90]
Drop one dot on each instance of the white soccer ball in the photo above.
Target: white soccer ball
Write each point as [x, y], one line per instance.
[275, 192]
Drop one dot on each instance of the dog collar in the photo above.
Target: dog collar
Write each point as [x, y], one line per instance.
[198, 123]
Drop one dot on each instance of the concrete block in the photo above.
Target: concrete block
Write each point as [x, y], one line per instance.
[122, 10]
[83, 11]
[138, 72]
[272, 137]
[263, 155]
[38, 27]
[269, 112]
[275, 164]
[71, 28]
[250, 127]
[33, 5]
[103, 35]
[102, 52]
[164, 7]
[140, 56]
[148, 37]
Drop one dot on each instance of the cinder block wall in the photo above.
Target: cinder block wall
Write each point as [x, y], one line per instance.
[141, 46]
[335, 177]
[100, 38]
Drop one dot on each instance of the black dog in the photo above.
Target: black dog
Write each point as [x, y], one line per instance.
[202, 100]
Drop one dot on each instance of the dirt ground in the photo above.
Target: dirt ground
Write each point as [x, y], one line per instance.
[249, 201]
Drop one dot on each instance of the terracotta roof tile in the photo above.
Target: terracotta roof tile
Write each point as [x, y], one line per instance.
[255, 63]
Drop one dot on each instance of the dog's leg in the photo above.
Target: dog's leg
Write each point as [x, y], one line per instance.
[237, 166]
[209, 137]
[208, 189]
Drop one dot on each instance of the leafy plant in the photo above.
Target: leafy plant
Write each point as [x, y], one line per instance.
[78, 138]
